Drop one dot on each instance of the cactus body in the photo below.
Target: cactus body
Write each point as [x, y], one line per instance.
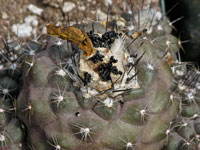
[129, 93]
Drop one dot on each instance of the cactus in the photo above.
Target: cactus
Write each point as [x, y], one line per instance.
[184, 131]
[12, 129]
[101, 86]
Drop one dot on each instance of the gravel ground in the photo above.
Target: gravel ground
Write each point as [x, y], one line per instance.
[28, 17]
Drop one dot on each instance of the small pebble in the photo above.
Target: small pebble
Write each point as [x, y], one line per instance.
[108, 2]
[22, 30]
[4, 15]
[31, 20]
[26, 29]
[34, 9]
[68, 6]
[82, 8]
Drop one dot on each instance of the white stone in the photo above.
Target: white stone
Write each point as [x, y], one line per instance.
[94, 2]
[60, 1]
[34, 9]
[31, 20]
[4, 15]
[108, 2]
[68, 6]
[82, 8]
[26, 29]
[22, 30]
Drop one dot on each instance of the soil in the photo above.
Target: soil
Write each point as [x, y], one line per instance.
[14, 12]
